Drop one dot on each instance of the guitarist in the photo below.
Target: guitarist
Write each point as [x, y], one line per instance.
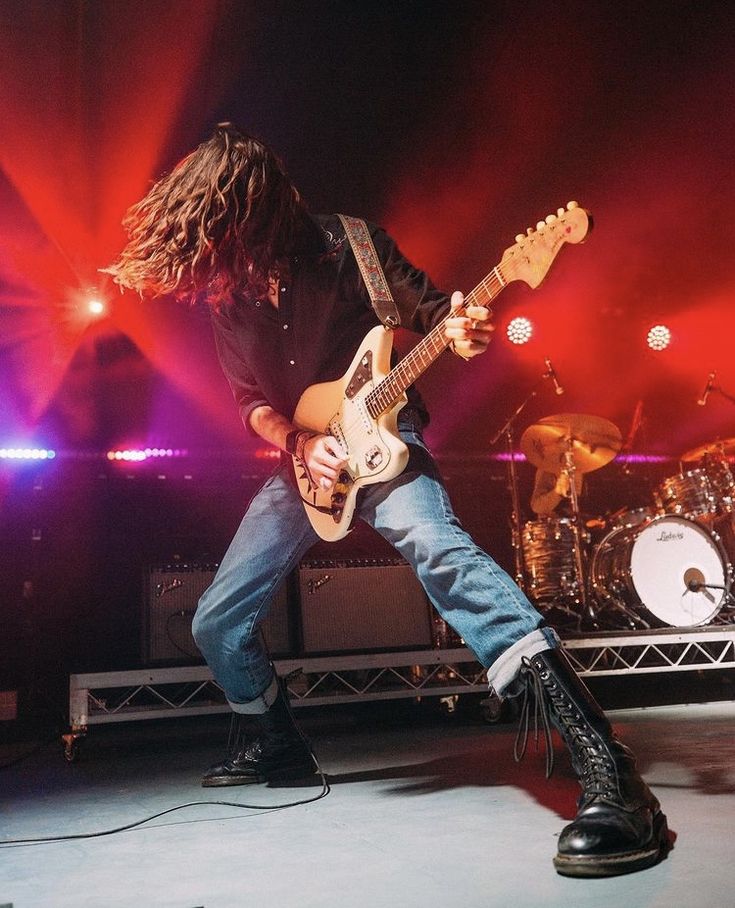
[289, 309]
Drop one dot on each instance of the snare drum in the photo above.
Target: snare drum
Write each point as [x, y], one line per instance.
[646, 570]
[548, 554]
[687, 494]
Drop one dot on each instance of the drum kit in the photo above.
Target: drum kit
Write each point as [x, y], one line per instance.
[664, 564]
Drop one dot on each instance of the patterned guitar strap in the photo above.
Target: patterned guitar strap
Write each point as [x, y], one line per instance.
[372, 273]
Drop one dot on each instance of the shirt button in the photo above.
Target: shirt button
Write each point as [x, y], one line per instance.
[283, 289]
[291, 362]
[285, 327]
[257, 303]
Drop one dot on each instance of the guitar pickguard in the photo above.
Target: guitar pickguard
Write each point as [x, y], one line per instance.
[374, 449]
[359, 435]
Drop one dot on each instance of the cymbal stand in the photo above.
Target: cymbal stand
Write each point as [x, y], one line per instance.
[570, 470]
[717, 389]
[515, 517]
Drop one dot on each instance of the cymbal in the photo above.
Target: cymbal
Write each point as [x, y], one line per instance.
[593, 441]
[726, 447]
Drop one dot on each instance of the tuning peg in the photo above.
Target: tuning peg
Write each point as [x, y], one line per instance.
[572, 205]
[520, 237]
[529, 230]
[550, 218]
[540, 226]
[560, 212]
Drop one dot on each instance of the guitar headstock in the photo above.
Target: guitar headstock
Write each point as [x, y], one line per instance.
[530, 258]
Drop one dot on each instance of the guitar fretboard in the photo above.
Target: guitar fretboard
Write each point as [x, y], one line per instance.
[386, 392]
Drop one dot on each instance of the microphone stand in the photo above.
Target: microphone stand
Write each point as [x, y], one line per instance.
[579, 566]
[716, 389]
[515, 517]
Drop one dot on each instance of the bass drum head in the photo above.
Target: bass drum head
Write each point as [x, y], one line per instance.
[667, 555]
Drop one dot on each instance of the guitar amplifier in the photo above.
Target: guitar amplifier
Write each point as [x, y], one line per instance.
[170, 598]
[362, 605]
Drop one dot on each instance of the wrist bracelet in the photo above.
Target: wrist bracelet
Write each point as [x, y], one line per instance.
[296, 442]
[291, 441]
[303, 437]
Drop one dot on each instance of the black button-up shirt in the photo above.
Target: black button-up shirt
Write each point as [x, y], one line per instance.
[270, 356]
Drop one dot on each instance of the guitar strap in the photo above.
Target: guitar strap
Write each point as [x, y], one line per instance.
[372, 273]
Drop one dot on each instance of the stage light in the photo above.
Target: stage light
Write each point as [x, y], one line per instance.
[136, 455]
[659, 337]
[519, 330]
[642, 458]
[128, 455]
[27, 454]
[267, 453]
[96, 306]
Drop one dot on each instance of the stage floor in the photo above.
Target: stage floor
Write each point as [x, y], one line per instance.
[425, 809]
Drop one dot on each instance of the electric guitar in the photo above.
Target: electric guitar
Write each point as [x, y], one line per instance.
[361, 409]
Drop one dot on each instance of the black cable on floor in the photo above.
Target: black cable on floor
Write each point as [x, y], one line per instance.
[326, 788]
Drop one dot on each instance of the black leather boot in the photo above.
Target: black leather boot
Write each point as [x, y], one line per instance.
[267, 747]
[619, 825]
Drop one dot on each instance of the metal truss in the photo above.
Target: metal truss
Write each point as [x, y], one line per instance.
[646, 652]
[108, 697]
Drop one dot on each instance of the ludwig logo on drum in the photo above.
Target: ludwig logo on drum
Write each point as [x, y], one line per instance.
[668, 535]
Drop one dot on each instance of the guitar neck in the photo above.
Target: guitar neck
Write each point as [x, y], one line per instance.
[385, 394]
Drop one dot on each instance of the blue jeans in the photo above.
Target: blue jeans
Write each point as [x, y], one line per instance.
[468, 589]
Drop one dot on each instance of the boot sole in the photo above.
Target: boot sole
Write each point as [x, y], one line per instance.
[287, 774]
[595, 865]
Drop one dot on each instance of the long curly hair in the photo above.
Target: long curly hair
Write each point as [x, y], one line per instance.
[223, 220]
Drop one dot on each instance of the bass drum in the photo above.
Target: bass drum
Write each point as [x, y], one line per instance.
[648, 572]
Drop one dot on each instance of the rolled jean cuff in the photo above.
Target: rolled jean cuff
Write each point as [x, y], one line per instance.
[260, 704]
[503, 672]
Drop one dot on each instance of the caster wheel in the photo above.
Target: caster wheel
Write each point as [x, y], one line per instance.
[71, 748]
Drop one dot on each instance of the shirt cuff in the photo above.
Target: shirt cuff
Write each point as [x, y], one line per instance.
[247, 409]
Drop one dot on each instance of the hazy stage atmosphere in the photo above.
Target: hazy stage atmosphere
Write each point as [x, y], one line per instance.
[474, 133]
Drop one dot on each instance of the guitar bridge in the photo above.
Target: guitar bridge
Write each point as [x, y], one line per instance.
[374, 457]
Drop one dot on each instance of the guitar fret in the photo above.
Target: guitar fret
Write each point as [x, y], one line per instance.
[405, 373]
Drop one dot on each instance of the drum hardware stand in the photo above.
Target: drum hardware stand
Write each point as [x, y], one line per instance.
[515, 517]
[570, 470]
[716, 389]
[695, 586]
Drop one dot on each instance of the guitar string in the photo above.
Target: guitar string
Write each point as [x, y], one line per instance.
[420, 355]
[413, 364]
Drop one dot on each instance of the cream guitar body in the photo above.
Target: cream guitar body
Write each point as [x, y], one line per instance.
[360, 410]
[375, 451]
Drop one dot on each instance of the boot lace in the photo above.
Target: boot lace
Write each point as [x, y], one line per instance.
[593, 763]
